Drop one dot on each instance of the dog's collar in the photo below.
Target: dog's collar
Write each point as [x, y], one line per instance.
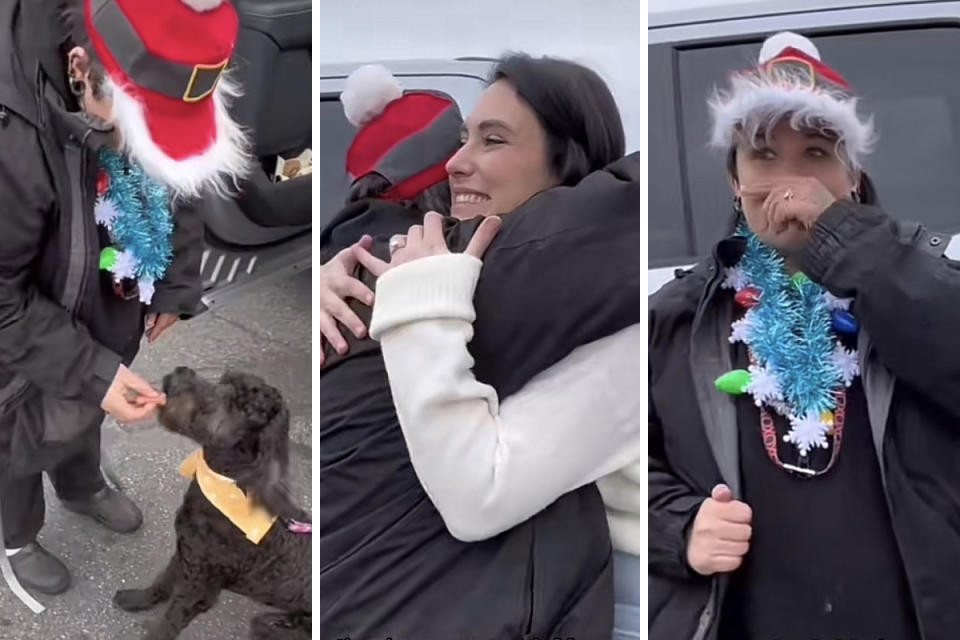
[228, 498]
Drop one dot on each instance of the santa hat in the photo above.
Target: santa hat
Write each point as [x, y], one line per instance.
[407, 137]
[790, 82]
[165, 61]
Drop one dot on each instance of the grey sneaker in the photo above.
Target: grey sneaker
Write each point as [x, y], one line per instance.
[110, 508]
[39, 570]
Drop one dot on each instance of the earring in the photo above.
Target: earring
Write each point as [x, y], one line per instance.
[737, 204]
[855, 196]
[77, 87]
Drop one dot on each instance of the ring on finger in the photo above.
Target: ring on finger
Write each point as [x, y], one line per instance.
[397, 243]
[788, 194]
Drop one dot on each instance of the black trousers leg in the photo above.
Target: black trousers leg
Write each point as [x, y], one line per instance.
[23, 509]
[78, 476]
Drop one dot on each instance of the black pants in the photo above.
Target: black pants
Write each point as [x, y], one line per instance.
[75, 477]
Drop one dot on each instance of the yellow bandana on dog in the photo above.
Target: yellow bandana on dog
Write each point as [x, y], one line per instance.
[225, 495]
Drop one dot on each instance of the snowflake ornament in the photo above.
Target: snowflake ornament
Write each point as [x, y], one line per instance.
[146, 290]
[125, 266]
[740, 330]
[847, 363]
[105, 212]
[807, 432]
[734, 278]
[764, 386]
[833, 302]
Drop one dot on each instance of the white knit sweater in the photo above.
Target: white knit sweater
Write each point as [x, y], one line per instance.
[487, 465]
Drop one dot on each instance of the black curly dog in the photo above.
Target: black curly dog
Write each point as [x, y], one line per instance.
[242, 424]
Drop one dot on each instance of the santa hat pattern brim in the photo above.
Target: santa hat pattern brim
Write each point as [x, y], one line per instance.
[218, 157]
[754, 101]
[764, 96]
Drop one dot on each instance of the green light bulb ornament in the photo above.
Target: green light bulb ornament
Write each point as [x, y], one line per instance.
[734, 382]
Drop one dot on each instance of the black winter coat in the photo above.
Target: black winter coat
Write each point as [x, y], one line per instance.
[388, 565]
[907, 299]
[63, 331]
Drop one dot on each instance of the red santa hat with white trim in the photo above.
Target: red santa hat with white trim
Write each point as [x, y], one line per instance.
[790, 82]
[166, 61]
[405, 136]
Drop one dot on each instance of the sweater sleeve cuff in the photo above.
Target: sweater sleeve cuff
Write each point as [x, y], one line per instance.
[429, 288]
[104, 370]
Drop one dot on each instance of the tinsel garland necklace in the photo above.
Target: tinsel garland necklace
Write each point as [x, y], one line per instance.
[798, 367]
[135, 210]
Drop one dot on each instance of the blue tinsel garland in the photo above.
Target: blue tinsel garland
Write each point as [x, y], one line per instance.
[143, 225]
[790, 331]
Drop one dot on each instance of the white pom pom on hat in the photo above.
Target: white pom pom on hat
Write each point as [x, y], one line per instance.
[202, 5]
[369, 90]
[779, 42]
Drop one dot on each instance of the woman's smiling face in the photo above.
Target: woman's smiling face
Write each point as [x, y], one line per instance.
[503, 159]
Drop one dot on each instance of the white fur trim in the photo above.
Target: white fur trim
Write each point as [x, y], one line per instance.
[779, 42]
[218, 168]
[760, 100]
[202, 5]
[369, 90]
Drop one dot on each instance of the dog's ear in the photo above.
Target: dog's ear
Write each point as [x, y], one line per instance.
[268, 418]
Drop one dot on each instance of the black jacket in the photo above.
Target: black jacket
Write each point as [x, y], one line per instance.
[907, 298]
[63, 332]
[388, 565]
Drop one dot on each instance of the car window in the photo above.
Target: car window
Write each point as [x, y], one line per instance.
[667, 227]
[336, 134]
[908, 79]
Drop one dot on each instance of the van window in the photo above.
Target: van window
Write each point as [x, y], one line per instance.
[336, 134]
[908, 79]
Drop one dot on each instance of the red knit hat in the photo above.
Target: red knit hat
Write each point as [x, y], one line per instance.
[405, 137]
[165, 60]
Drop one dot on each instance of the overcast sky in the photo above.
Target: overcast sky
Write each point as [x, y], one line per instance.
[606, 35]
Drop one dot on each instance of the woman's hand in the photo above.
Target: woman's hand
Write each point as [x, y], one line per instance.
[428, 240]
[336, 284]
[791, 202]
[720, 535]
[156, 325]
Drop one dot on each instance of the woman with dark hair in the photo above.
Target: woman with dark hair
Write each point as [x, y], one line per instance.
[103, 142]
[536, 145]
[803, 389]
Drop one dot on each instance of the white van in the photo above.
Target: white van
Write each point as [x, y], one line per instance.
[900, 57]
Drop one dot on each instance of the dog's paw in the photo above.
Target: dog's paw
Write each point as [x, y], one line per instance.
[135, 599]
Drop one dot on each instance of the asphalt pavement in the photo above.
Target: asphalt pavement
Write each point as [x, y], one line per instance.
[268, 332]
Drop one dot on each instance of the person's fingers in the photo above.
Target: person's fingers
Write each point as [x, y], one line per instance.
[346, 259]
[139, 385]
[433, 230]
[350, 287]
[342, 312]
[735, 511]
[483, 236]
[721, 493]
[370, 262]
[725, 564]
[366, 242]
[732, 531]
[731, 548]
[329, 329]
[415, 235]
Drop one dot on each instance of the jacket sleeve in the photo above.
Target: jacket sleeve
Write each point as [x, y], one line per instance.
[181, 289]
[672, 507]
[38, 338]
[489, 466]
[908, 300]
[565, 270]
